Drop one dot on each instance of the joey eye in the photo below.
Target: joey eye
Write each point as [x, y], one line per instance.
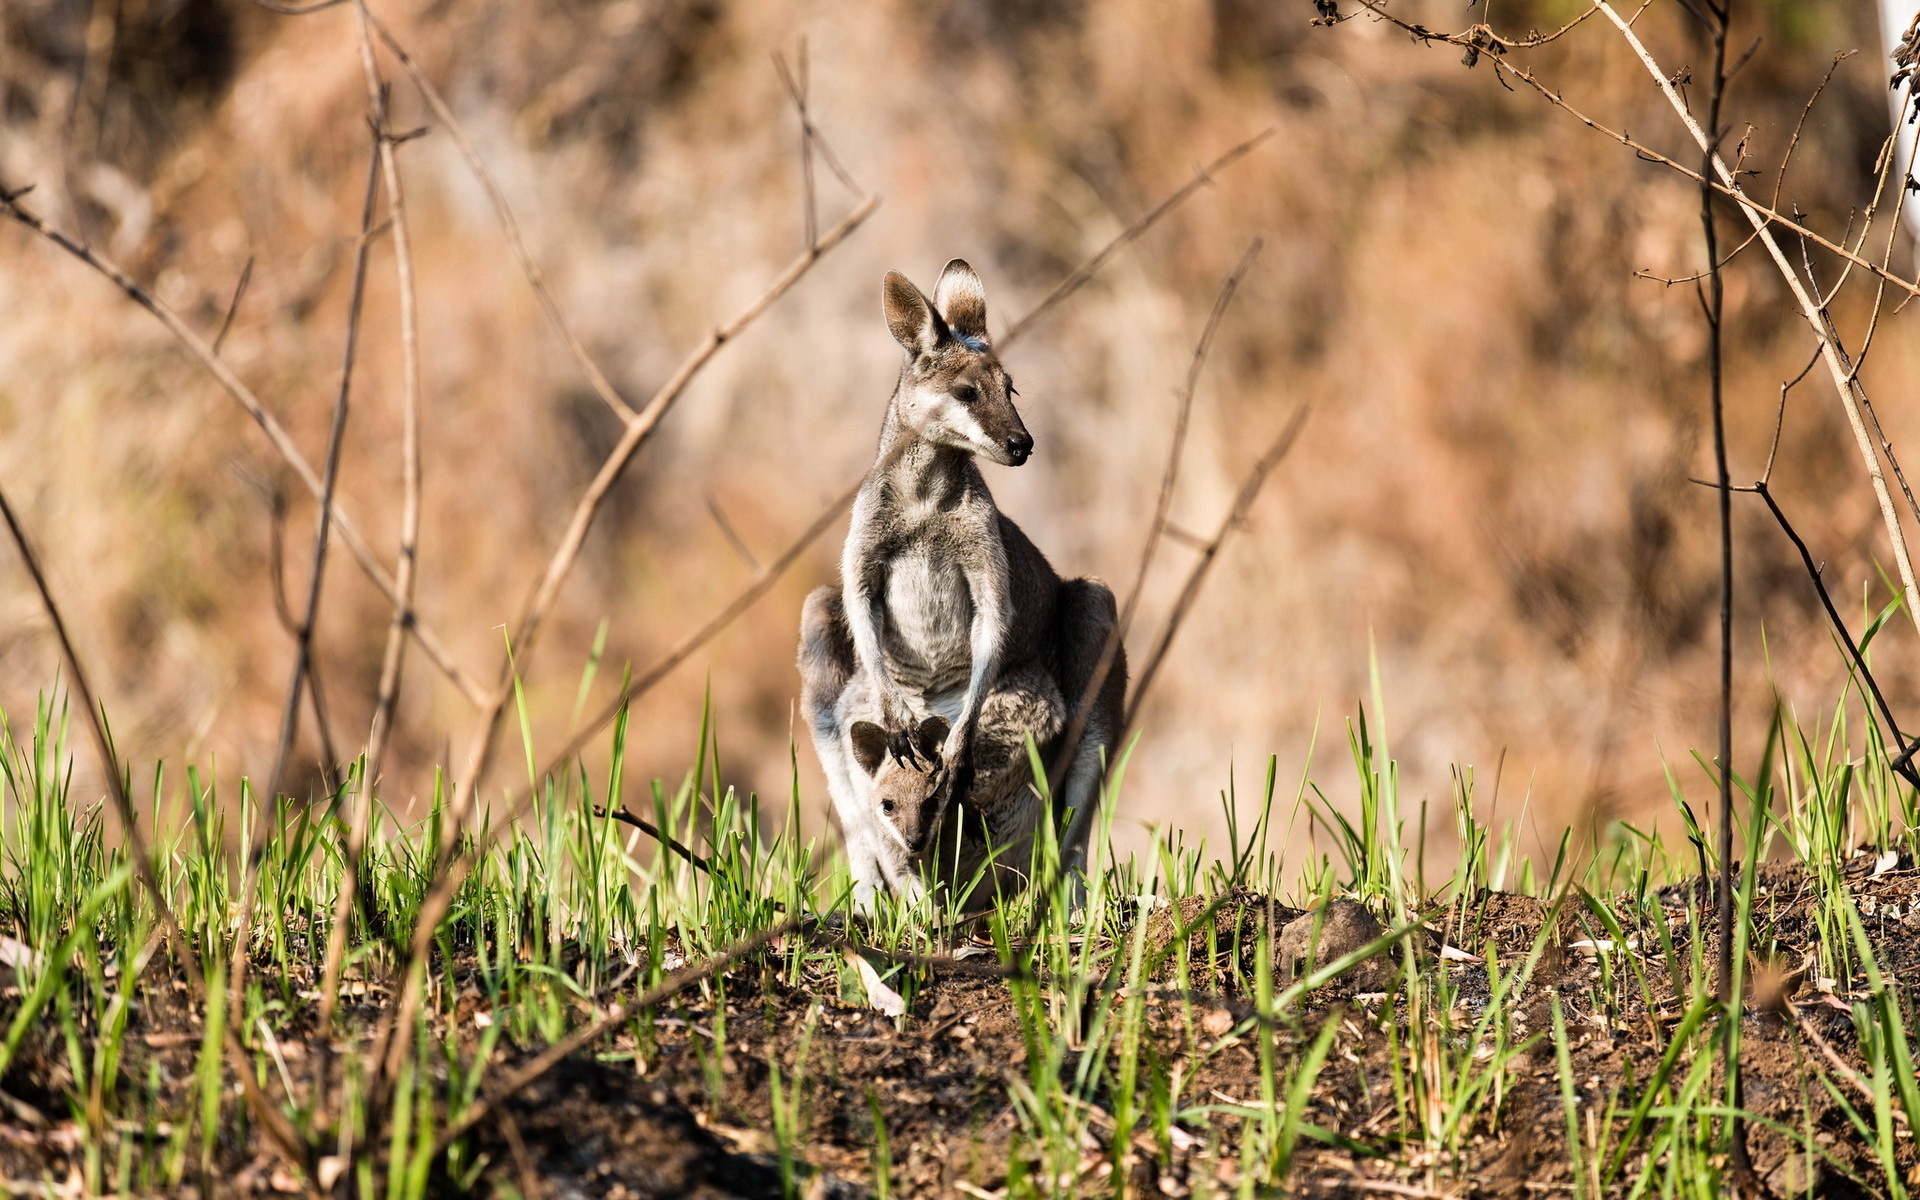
[886, 806]
[966, 393]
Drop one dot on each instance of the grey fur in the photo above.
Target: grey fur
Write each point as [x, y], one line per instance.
[942, 598]
[999, 815]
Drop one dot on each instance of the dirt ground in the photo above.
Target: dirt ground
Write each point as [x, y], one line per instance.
[656, 1115]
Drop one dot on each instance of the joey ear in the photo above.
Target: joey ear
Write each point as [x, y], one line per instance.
[932, 735]
[911, 317]
[962, 301]
[869, 745]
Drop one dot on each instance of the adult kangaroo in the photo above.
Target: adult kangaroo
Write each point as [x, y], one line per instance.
[941, 595]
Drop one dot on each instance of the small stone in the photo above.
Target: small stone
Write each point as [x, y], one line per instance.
[1328, 933]
[1799, 1174]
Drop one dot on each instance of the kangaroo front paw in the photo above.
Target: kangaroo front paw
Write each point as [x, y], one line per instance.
[900, 745]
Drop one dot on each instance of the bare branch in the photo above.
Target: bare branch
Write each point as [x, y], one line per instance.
[392, 657]
[503, 212]
[277, 435]
[1109, 651]
[1131, 233]
[1256, 478]
[233, 305]
[1904, 763]
[1780, 415]
[730, 533]
[323, 520]
[1844, 384]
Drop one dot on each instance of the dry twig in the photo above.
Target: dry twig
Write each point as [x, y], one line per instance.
[1904, 763]
[393, 657]
[303, 652]
[277, 435]
[1845, 385]
[1250, 486]
[323, 523]
[1076, 728]
[1090, 268]
[503, 212]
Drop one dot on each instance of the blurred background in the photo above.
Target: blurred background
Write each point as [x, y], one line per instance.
[1489, 502]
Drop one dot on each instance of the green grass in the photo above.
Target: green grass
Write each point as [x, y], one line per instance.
[573, 910]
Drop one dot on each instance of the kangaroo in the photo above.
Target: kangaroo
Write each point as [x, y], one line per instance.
[995, 819]
[940, 594]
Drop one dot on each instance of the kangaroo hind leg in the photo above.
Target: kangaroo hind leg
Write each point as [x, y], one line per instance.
[827, 670]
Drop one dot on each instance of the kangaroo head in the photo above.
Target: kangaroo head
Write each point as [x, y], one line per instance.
[903, 794]
[953, 391]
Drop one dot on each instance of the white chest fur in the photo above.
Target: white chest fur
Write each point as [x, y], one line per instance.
[928, 635]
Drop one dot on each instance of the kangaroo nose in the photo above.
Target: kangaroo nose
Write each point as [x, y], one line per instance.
[1019, 446]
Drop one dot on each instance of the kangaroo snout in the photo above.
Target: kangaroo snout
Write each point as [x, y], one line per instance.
[1019, 449]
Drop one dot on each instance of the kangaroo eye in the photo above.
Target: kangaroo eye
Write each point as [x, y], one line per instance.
[886, 806]
[966, 393]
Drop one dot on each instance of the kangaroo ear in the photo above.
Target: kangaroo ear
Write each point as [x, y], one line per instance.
[911, 318]
[869, 745]
[962, 301]
[932, 735]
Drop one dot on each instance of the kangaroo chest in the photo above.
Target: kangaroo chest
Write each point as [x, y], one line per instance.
[928, 637]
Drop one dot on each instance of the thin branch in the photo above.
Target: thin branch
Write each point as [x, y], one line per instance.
[323, 520]
[278, 1128]
[303, 646]
[503, 212]
[797, 88]
[1110, 650]
[1091, 267]
[393, 657]
[1713, 303]
[657, 834]
[1256, 478]
[1839, 1064]
[730, 533]
[1780, 415]
[811, 132]
[1732, 192]
[1903, 764]
[349, 532]
[1843, 384]
[233, 305]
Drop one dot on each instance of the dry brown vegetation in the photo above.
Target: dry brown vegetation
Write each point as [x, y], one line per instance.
[1492, 495]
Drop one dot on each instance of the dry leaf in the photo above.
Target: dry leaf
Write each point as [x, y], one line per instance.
[879, 995]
